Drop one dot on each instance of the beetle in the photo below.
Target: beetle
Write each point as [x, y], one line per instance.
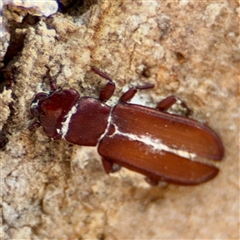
[150, 141]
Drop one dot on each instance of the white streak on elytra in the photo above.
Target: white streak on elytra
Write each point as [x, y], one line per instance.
[155, 144]
[65, 124]
[108, 125]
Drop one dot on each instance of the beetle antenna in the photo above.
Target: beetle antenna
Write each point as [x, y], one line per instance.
[52, 80]
[100, 73]
[146, 86]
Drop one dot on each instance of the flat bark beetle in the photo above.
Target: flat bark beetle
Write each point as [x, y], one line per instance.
[157, 144]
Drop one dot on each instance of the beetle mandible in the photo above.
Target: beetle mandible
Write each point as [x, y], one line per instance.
[150, 141]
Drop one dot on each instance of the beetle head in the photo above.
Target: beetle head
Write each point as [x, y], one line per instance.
[52, 109]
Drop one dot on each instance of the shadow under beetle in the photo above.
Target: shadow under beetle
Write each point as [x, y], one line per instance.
[149, 141]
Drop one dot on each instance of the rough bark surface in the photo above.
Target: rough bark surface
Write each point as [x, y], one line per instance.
[54, 190]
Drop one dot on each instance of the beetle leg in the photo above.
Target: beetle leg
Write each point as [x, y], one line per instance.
[109, 166]
[188, 110]
[151, 181]
[129, 94]
[166, 103]
[34, 126]
[107, 92]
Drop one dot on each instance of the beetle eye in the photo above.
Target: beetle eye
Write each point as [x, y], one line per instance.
[35, 108]
[34, 111]
[40, 96]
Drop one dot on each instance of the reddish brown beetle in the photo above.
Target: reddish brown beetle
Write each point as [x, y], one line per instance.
[149, 141]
